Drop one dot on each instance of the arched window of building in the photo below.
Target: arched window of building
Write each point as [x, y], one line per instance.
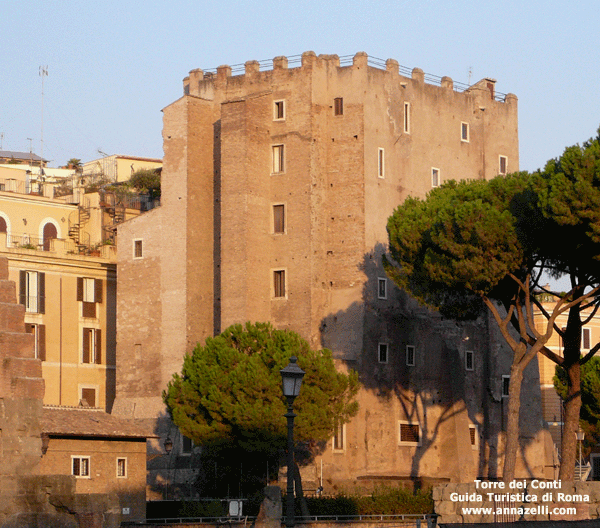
[2, 225]
[49, 233]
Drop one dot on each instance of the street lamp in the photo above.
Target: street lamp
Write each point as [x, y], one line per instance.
[580, 437]
[291, 377]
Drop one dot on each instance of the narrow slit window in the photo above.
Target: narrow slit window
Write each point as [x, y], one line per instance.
[469, 360]
[505, 386]
[503, 164]
[586, 338]
[121, 468]
[381, 163]
[278, 159]
[410, 355]
[382, 288]
[382, 352]
[464, 132]
[435, 177]
[279, 110]
[279, 283]
[339, 437]
[407, 118]
[279, 218]
[138, 249]
[338, 106]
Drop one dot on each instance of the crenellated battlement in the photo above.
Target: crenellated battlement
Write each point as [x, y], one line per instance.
[201, 82]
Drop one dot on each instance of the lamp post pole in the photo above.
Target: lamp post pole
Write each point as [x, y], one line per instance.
[291, 377]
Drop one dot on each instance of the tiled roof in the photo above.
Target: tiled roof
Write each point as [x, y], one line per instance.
[81, 421]
[19, 155]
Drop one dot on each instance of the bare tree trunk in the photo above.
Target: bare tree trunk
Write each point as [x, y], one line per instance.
[568, 451]
[512, 424]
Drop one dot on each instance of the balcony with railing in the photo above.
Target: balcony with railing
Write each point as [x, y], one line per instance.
[56, 247]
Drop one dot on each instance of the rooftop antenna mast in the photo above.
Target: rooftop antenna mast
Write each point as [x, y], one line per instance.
[43, 73]
[470, 74]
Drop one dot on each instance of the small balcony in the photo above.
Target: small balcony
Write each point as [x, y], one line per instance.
[56, 247]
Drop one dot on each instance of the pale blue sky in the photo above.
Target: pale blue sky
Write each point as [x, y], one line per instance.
[113, 65]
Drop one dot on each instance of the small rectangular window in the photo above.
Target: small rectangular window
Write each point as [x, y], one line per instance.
[382, 353]
[279, 218]
[138, 249]
[339, 437]
[338, 106]
[464, 132]
[381, 163]
[32, 286]
[505, 385]
[473, 436]
[278, 159]
[88, 396]
[410, 355]
[586, 339]
[186, 445]
[469, 360]
[279, 283]
[382, 288]
[435, 177]
[278, 110]
[407, 118]
[80, 466]
[503, 165]
[410, 434]
[89, 290]
[121, 468]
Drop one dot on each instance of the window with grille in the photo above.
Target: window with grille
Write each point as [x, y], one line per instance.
[473, 435]
[382, 353]
[410, 434]
[138, 249]
[410, 355]
[80, 466]
[279, 218]
[338, 106]
[279, 283]
[278, 159]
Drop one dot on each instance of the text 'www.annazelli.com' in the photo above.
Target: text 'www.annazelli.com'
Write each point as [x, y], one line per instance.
[538, 509]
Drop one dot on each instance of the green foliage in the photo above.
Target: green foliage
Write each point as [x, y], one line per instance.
[383, 501]
[228, 394]
[146, 181]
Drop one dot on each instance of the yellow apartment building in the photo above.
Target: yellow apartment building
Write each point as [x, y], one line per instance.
[62, 256]
[119, 168]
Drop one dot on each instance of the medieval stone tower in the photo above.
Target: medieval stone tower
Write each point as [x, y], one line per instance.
[277, 186]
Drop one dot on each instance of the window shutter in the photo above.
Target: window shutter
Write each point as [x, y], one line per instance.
[88, 309]
[41, 293]
[98, 345]
[86, 345]
[80, 288]
[42, 342]
[98, 290]
[22, 287]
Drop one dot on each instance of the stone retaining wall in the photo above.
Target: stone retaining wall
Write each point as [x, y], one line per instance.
[547, 501]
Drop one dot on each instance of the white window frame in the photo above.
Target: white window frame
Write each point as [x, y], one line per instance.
[93, 350]
[500, 158]
[278, 158]
[89, 290]
[137, 241]
[436, 172]
[505, 394]
[285, 285]
[387, 352]
[381, 162]
[279, 103]
[339, 432]
[81, 458]
[405, 442]
[406, 117]
[380, 281]
[32, 294]
[465, 126]
[469, 354]
[414, 355]
[125, 468]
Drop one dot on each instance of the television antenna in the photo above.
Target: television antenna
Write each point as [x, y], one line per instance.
[43, 73]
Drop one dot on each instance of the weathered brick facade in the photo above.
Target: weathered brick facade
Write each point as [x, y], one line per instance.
[339, 144]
